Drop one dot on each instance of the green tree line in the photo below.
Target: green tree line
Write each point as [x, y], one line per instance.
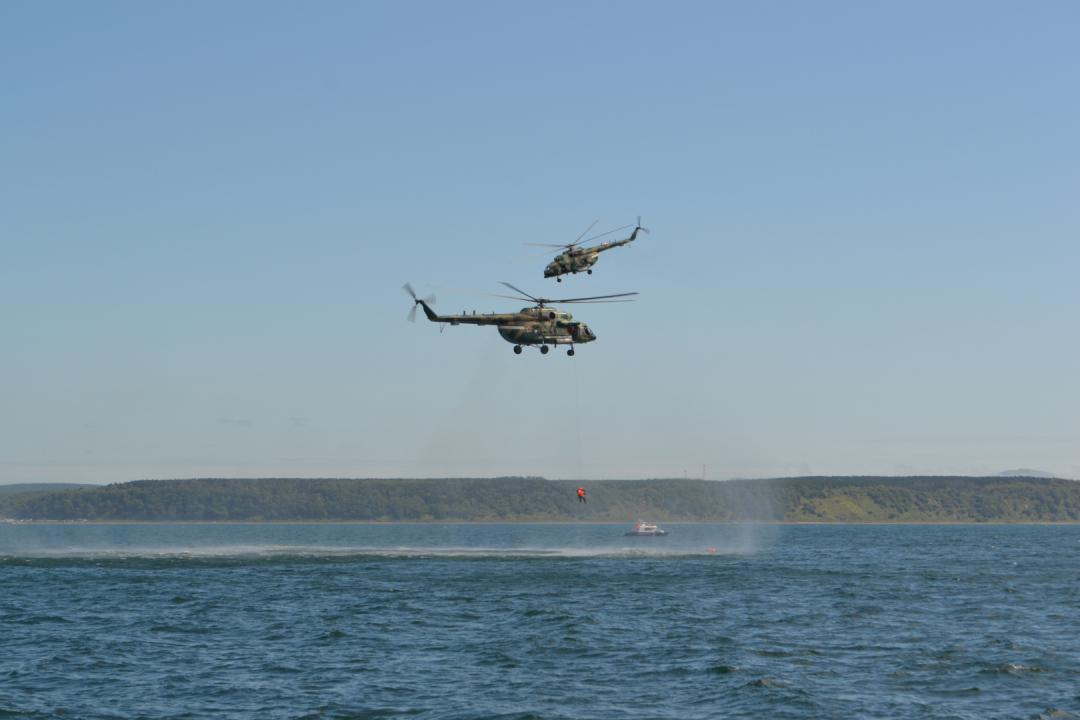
[531, 499]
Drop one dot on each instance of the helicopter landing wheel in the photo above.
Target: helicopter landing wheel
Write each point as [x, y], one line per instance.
[558, 279]
[517, 349]
[590, 272]
[570, 352]
[543, 349]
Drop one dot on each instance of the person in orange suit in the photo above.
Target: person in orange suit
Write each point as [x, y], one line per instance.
[581, 496]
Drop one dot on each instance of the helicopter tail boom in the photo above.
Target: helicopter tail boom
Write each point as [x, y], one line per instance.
[632, 238]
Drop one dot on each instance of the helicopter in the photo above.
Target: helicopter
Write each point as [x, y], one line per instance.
[574, 259]
[540, 325]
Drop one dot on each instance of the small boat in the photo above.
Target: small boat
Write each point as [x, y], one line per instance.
[645, 529]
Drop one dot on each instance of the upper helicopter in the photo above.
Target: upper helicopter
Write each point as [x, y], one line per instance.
[574, 259]
[540, 325]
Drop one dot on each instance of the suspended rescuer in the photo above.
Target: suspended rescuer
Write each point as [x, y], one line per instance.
[581, 496]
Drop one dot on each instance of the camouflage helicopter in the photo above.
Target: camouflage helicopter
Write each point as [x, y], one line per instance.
[540, 325]
[574, 259]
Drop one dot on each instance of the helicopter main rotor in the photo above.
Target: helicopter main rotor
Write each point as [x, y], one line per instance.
[541, 302]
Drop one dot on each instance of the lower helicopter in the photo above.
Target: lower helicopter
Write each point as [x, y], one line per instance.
[538, 326]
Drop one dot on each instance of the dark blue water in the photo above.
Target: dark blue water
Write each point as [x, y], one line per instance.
[547, 621]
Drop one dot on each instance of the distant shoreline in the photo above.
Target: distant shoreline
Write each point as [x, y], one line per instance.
[918, 500]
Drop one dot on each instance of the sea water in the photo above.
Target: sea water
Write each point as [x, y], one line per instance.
[539, 621]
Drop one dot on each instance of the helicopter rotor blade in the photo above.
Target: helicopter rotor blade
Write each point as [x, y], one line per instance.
[593, 302]
[585, 233]
[524, 293]
[579, 239]
[608, 232]
[539, 301]
[408, 288]
[475, 292]
[535, 256]
[568, 246]
[430, 299]
[644, 230]
[412, 314]
[596, 298]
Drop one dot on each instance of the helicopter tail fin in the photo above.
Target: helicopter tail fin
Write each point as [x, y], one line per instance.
[644, 230]
[429, 312]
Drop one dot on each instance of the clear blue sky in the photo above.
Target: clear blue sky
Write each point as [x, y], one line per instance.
[863, 257]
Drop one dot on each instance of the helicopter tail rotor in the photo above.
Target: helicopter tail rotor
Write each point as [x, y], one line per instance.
[644, 230]
[429, 300]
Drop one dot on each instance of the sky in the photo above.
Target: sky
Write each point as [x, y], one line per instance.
[863, 257]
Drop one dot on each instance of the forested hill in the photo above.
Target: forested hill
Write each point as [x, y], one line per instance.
[514, 499]
[17, 488]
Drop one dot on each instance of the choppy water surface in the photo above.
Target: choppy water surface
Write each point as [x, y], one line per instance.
[548, 621]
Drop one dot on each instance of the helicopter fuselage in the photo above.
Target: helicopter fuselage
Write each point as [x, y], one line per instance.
[531, 326]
